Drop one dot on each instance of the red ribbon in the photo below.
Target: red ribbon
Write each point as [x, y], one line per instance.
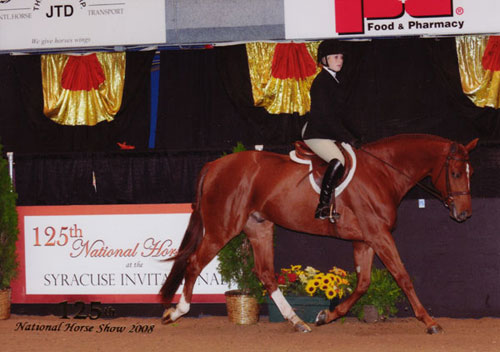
[292, 60]
[491, 56]
[82, 73]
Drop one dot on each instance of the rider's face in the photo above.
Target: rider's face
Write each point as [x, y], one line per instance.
[335, 62]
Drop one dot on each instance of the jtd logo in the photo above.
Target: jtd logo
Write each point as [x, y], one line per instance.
[350, 14]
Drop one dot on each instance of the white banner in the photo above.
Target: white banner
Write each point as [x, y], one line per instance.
[108, 254]
[317, 19]
[52, 24]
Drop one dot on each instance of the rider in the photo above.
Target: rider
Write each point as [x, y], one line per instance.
[325, 122]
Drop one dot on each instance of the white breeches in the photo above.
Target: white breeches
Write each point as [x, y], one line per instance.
[326, 149]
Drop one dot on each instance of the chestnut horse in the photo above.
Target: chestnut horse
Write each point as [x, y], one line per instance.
[251, 191]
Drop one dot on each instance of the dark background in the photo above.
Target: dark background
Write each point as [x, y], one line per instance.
[205, 107]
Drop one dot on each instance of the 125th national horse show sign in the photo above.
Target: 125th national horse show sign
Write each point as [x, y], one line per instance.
[112, 253]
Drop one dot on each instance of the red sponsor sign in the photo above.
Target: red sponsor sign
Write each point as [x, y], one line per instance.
[350, 14]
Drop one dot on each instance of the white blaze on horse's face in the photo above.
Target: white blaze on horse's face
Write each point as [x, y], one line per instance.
[467, 169]
[459, 197]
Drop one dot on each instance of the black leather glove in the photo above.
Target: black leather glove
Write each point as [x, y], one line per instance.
[356, 143]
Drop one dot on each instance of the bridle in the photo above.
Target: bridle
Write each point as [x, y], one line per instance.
[448, 199]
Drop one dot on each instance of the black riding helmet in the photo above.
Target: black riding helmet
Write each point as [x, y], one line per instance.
[330, 47]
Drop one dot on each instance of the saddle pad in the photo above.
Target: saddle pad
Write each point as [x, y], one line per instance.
[340, 188]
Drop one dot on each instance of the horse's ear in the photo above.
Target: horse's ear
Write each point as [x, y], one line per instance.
[472, 145]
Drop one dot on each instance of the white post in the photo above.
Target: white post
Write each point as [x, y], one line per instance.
[10, 157]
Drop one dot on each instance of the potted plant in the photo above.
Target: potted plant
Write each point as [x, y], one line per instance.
[236, 263]
[8, 236]
[309, 291]
[381, 299]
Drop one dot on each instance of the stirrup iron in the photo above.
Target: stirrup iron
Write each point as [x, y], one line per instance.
[327, 212]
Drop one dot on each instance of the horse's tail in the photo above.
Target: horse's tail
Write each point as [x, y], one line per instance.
[190, 242]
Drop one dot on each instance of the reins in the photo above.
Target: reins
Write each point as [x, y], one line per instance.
[431, 190]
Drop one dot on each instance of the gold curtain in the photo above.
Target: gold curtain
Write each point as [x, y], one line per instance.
[480, 84]
[279, 95]
[90, 94]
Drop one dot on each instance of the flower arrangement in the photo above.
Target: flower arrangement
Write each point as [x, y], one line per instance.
[310, 281]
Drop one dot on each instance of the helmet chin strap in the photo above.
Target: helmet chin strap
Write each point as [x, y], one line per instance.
[324, 62]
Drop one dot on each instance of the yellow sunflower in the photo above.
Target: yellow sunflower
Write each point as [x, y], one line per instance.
[324, 287]
[311, 288]
[315, 282]
[319, 276]
[331, 293]
[326, 280]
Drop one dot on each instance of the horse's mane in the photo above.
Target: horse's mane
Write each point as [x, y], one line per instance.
[406, 137]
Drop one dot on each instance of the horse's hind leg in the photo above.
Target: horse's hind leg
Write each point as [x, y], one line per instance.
[260, 233]
[207, 250]
[363, 259]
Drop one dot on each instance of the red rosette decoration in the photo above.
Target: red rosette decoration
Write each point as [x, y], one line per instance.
[82, 73]
[292, 60]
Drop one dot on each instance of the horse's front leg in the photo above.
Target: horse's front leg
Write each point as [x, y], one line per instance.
[386, 250]
[288, 312]
[260, 233]
[363, 259]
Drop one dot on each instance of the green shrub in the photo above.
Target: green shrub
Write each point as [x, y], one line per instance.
[8, 226]
[236, 263]
[383, 293]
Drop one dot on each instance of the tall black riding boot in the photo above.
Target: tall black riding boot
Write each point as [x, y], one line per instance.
[332, 176]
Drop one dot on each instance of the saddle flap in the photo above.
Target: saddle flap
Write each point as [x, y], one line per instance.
[302, 151]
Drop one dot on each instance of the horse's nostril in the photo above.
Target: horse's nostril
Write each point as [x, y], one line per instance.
[463, 215]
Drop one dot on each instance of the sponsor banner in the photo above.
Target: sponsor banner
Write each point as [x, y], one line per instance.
[316, 19]
[112, 253]
[52, 24]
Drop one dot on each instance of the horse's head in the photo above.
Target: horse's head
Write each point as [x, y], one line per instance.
[452, 180]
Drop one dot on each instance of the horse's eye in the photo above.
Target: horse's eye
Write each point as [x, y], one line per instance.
[456, 174]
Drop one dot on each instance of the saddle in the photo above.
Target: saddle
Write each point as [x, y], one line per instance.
[304, 155]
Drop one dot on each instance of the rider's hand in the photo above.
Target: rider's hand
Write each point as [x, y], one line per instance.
[356, 143]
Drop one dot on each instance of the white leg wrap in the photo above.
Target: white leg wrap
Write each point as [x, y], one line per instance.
[284, 307]
[181, 308]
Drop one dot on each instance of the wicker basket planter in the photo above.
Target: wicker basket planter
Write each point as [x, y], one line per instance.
[5, 304]
[241, 308]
